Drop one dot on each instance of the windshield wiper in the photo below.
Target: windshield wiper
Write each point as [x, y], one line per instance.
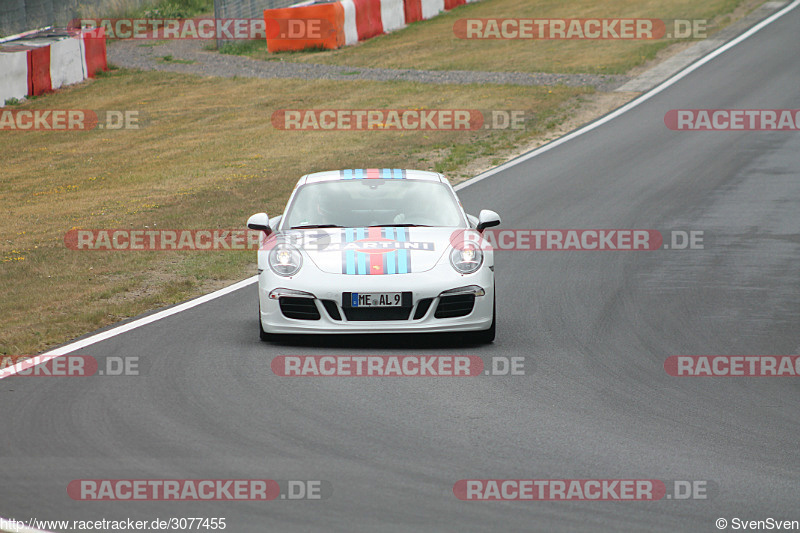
[314, 226]
[399, 226]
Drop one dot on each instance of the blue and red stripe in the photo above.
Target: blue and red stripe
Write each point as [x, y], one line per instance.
[363, 263]
[403, 257]
[373, 173]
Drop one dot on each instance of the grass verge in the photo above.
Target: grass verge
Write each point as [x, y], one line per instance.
[431, 44]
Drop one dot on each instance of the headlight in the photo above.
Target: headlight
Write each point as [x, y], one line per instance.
[466, 260]
[285, 260]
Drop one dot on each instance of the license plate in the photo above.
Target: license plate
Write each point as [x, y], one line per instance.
[377, 299]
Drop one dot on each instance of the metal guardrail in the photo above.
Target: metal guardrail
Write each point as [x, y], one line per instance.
[19, 16]
[246, 9]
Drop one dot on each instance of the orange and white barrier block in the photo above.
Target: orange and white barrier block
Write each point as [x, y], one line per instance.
[32, 67]
[332, 25]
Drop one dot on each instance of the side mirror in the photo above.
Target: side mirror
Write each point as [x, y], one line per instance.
[487, 219]
[259, 221]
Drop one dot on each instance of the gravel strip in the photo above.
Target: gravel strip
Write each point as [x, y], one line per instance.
[131, 54]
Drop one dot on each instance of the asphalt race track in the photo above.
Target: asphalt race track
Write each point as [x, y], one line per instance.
[595, 329]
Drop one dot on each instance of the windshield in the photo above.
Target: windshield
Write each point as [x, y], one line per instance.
[373, 202]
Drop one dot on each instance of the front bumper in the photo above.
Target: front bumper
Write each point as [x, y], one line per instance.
[327, 290]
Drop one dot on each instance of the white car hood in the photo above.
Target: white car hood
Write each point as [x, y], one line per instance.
[372, 251]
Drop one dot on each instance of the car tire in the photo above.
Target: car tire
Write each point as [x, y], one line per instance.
[487, 336]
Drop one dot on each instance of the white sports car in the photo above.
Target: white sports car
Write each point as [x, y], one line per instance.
[375, 251]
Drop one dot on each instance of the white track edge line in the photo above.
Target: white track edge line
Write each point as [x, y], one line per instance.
[113, 332]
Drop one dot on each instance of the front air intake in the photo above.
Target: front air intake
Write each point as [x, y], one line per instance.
[298, 308]
[455, 306]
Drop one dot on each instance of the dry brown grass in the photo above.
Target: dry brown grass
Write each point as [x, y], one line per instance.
[205, 156]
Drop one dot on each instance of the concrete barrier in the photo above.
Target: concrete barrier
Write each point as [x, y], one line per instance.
[392, 15]
[94, 51]
[36, 65]
[354, 20]
[301, 27]
[431, 8]
[412, 10]
[14, 81]
[368, 18]
[39, 71]
[450, 4]
[350, 29]
[66, 62]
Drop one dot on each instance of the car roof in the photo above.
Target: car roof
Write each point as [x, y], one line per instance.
[371, 173]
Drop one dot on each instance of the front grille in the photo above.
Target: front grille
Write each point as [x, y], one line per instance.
[422, 308]
[330, 307]
[298, 308]
[377, 313]
[454, 306]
